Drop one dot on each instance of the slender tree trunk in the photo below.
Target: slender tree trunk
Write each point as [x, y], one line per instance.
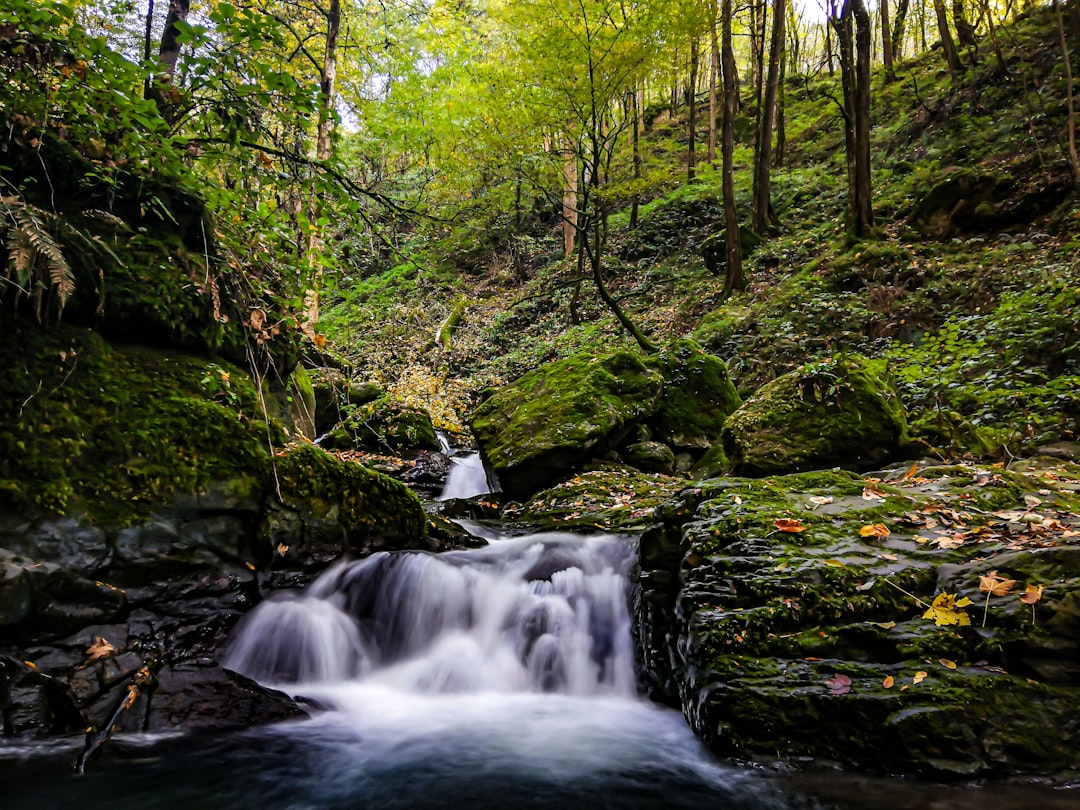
[947, 45]
[780, 156]
[896, 36]
[761, 216]
[714, 70]
[863, 188]
[635, 146]
[734, 279]
[1073, 161]
[886, 43]
[829, 49]
[148, 88]
[1074, 19]
[965, 31]
[692, 117]
[570, 201]
[168, 57]
[323, 132]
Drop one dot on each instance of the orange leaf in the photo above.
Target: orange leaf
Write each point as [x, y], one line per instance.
[914, 468]
[888, 682]
[920, 676]
[100, 649]
[995, 585]
[945, 662]
[789, 525]
[1032, 595]
[874, 530]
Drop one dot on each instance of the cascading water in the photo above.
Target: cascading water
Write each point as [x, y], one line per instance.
[497, 677]
[466, 479]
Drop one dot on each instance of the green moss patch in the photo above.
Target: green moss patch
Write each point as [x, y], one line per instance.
[697, 397]
[111, 431]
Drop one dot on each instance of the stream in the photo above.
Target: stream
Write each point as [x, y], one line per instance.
[499, 677]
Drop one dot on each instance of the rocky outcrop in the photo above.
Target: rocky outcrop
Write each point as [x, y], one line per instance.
[544, 425]
[839, 412]
[824, 616]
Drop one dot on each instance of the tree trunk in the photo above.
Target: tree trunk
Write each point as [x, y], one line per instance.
[692, 117]
[1074, 162]
[324, 129]
[1074, 19]
[780, 156]
[762, 216]
[896, 36]
[886, 43]
[734, 279]
[148, 88]
[635, 146]
[569, 203]
[965, 31]
[948, 47]
[714, 70]
[853, 33]
[169, 52]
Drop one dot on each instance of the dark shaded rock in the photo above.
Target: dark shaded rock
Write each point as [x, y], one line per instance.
[840, 412]
[203, 698]
[550, 421]
[650, 457]
[383, 426]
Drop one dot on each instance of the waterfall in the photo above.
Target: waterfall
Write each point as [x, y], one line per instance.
[536, 614]
[467, 477]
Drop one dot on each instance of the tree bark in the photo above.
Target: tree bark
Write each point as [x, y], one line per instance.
[1073, 161]
[169, 51]
[948, 46]
[734, 279]
[714, 71]
[899, 29]
[762, 215]
[886, 43]
[965, 31]
[692, 116]
[853, 34]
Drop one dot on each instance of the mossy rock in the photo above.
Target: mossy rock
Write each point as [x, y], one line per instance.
[654, 457]
[336, 499]
[842, 412]
[547, 423]
[788, 615]
[950, 433]
[697, 397]
[334, 392]
[301, 396]
[714, 463]
[384, 426]
[110, 432]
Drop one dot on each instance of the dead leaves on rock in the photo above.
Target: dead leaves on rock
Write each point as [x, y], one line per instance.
[789, 525]
[947, 609]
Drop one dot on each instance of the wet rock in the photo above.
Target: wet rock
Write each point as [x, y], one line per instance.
[787, 617]
[651, 457]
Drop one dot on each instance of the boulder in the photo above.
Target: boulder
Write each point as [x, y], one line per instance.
[697, 397]
[385, 425]
[794, 618]
[653, 457]
[550, 421]
[842, 412]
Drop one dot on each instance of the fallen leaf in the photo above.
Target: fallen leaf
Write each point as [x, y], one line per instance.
[835, 563]
[873, 494]
[1032, 501]
[994, 585]
[887, 556]
[1032, 595]
[866, 585]
[945, 662]
[920, 676]
[914, 468]
[100, 649]
[838, 684]
[888, 682]
[282, 549]
[947, 609]
[874, 530]
[819, 500]
[789, 525]
[886, 625]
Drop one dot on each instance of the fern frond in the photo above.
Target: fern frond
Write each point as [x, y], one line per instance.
[60, 275]
[105, 216]
[21, 256]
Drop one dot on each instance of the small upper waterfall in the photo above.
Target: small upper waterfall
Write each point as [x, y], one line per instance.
[467, 477]
[543, 613]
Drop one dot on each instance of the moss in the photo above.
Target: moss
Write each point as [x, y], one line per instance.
[385, 424]
[327, 489]
[549, 420]
[844, 411]
[650, 457]
[714, 463]
[301, 394]
[697, 397]
[87, 425]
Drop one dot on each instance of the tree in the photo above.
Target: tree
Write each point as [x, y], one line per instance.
[853, 33]
[734, 279]
[762, 213]
[948, 46]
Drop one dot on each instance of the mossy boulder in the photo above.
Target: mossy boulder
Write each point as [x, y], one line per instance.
[334, 392]
[841, 412]
[697, 396]
[654, 457]
[326, 499]
[788, 616]
[89, 426]
[548, 422]
[714, 463]
[385, 425]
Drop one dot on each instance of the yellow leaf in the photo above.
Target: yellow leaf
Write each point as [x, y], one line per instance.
[920, 676]
[947, 609]
[888, 682]
[874, 530]
[945, 662]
